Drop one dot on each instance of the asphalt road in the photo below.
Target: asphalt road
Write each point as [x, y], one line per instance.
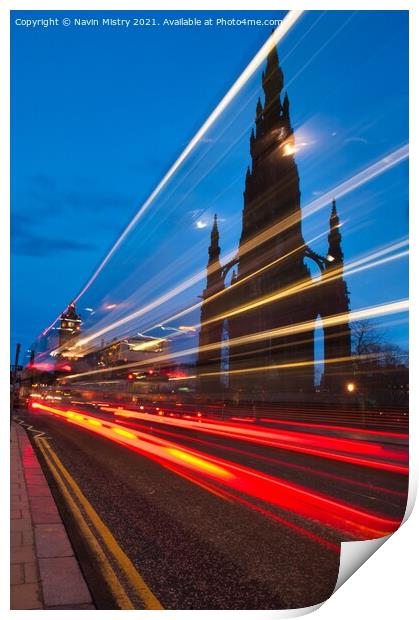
[197, 549]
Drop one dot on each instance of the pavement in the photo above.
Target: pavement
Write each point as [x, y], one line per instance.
[44, 571]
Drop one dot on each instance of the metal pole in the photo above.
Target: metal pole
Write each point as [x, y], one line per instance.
[14, 377]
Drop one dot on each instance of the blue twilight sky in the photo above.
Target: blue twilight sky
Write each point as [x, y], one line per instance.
[100, 113]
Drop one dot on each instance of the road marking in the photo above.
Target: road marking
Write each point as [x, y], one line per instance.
[106, 569]
[29, 427]
[149, 600]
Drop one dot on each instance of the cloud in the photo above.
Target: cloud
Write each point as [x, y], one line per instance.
[47, 218]
[203, 218]
[47, 196]
[201, 224]
[26, 241]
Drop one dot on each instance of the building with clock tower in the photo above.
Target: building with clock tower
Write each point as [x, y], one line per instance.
[70, 325]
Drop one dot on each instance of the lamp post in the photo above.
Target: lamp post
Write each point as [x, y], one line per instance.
[14, 380]
[350, 387]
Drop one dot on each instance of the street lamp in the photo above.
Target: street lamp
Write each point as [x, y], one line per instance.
[350, 387]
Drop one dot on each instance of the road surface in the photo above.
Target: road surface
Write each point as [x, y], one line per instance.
[220, 515]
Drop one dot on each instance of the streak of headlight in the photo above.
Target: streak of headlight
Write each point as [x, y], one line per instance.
[354, 182]
[94, 422]
[249, 454]
[340, 190]
[173, 293]
[322, 47]
[305, 285]
[235, 284]
[315, 445]
[387, 162]
[395, 307]
[310, 470]
[286, 24]
[206, 466]
[331, 321]
[234, 423]
[352, 268]
[301, 364]
[276, 491]
[123, 432]
[360, 452]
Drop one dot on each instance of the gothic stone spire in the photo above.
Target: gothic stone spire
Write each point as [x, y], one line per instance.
[335, 253]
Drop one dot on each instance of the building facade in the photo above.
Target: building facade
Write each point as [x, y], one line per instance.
[70, 324]
[257, 330]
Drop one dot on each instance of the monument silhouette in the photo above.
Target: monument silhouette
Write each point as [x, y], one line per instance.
[257, 332]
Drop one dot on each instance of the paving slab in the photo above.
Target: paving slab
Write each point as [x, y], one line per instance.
[39, 490]
[52, 541]
[17, 575]
[44, 511]
[62, 582]
[44, 572]
[25, 596]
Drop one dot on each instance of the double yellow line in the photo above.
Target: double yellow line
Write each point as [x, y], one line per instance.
[78, 504]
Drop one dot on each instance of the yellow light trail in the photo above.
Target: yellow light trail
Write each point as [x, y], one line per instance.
[248, 277]
[340, 190]
[123, 432]
[302, 364]
[352, 267]
[94, 422]
[287, 23]
[234, 285]
[206, 466]
[307, 284]
[147, 345]
[395, 307]
[197, 305]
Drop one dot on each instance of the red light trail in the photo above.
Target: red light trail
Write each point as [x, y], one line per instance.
[235, 478]
[365, 454]
[277, 461]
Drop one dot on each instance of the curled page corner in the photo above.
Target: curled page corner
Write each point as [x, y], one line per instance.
[411, 498]
[354, 554]
[296, 613]
[256, 614]
[302, 611]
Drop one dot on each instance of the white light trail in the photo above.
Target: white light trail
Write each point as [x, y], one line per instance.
[287, 23]
[369, 173]
[394, 307]
[342, 189]
[278, 34]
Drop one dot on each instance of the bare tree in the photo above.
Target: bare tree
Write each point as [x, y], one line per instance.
[392, 355]
[366, 339]
[380, 367]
